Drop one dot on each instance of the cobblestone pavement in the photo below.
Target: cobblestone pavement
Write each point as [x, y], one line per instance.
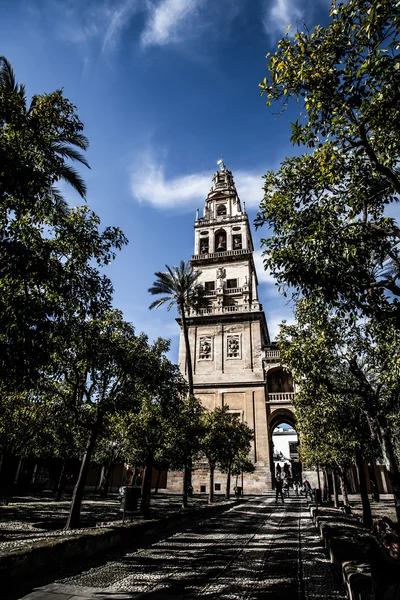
[257, 550]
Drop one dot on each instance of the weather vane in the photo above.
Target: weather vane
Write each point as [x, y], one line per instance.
[220, 162]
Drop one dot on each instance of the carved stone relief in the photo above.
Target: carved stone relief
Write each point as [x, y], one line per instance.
[205, 348]
[233, 346]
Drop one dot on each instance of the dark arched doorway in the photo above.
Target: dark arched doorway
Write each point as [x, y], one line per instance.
[284, 443]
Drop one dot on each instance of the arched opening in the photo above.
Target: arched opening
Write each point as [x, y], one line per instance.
[204, 245]
[284, 445]
[279, 381]
[237, 241]
[221, 210]
[220, 240]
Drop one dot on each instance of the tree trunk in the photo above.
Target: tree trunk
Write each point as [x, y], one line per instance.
[367, 515]
[319, 479]
[190, 472]
[77, 496]
[159, 471]
[343, 487]
[335, 489]
[372, 480]
[185, 485]
[211, 490]
[18, 470]
[62, 480]
[228, 484]
[107, 480]
[327, 491]
[187, 348]
[146, 486]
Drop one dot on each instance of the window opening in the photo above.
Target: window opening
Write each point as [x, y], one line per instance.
[237, 242]
[221, 210]
[220, 241]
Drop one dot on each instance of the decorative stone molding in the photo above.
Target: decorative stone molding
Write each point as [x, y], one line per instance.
[233, 345]
[205, 347]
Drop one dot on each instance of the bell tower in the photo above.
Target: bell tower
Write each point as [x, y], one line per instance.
[228, 338]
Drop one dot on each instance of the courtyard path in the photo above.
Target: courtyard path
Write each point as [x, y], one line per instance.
[257, 550]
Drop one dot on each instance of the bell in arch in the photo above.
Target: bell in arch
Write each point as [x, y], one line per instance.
[220, 241]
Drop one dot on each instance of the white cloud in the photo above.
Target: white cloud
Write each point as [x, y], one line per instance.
[150, 184]
[101, 21]
[274, 320]
[278, 14]
[168, 21]
[281, 13]
[119, 18]
[264, 275]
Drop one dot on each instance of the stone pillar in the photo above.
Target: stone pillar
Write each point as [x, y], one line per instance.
[211, 241]
[254, 295]
[229, 238]
[197, 242]
[245, 240]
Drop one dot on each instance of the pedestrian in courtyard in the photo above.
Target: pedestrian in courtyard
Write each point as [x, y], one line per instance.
[278, 487]
[296, 487]
[307, 489]
[285, 487]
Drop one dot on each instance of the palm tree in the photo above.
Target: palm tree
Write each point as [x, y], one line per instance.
[63, 144]
[179, 287]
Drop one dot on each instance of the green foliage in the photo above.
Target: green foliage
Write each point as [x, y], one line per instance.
[348, 384]
[49, 252]
[225, 438]
[330, 235]
[179, 287]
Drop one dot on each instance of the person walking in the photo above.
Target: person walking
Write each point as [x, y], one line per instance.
[307, 489]
[285, 487]
[278, 487]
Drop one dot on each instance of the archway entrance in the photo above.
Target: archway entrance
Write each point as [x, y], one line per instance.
[284, 444]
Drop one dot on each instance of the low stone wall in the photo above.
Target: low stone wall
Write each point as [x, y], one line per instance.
[353, 551]
[24, 564]
[258, 482]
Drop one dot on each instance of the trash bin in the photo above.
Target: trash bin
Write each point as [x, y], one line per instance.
[130, 496]
[317, 496]
[238, 491]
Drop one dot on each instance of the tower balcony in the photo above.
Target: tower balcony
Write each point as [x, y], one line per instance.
[218, 310]
[272, 355]
[280, 397]
[219, 219]
[221, 256]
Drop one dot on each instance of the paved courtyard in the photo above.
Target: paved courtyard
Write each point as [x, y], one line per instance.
[257, 550]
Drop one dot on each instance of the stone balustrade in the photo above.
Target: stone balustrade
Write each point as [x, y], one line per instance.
[272, 355]
[221, 255]
[217, 310]
[281, 397]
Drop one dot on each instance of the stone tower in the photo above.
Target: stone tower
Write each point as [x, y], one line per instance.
[230, 338]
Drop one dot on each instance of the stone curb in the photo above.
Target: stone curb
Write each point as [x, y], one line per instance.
[44, 556]
[348, 554]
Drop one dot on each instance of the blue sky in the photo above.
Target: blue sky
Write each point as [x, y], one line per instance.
[164, 88]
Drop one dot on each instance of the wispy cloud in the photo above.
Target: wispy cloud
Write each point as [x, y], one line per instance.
[150, 183]
[100, 23]
[279, 14]
[275, 319]
[119, 18]
[168, 21]
[264, 275]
